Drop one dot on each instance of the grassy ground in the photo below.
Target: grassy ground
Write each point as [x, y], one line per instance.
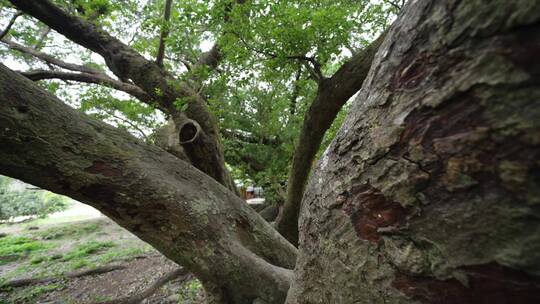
[44, 248]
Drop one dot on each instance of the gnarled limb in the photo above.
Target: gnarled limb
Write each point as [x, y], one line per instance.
[127, 64]
[179, 210]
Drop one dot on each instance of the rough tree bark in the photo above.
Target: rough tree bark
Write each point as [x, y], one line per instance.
[431, 191]
[429, 194]
[206, 151]
[176, 208]
[332, 94]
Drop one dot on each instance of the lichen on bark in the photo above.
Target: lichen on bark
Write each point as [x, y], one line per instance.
[428, 192]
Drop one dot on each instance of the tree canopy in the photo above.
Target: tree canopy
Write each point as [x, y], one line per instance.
[272, 56]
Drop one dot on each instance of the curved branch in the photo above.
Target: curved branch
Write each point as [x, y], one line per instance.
[123, 61]
[128, 64]
[166, 202]
[332, 94]
[100, 78]
[48, 58]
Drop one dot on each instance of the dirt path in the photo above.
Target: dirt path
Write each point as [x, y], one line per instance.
[138, 275]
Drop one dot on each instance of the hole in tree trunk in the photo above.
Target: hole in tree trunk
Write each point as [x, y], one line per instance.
[189, 132]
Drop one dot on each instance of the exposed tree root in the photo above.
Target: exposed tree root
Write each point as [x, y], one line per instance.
[74, 274]
[137, 298]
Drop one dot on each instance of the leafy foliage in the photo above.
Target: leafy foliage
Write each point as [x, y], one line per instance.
[16, 245]
[86, 249]
[23, 202]
[271, 55]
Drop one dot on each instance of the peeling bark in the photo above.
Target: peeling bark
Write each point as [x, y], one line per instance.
[166, 202]
[430, 191]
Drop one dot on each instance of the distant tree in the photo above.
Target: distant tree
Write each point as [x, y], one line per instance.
[24, 202]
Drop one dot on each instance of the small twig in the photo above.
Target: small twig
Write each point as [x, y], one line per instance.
[44, 33]
[10, 24]
[394, 4]
[130, 123]
[164, 33]
[314, 68]
[48, 58]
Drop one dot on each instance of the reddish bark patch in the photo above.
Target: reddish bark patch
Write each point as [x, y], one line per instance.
[369, 210]
[489, 284]
[412, 72]
[425, 125]
[100, 167]
[417, 67]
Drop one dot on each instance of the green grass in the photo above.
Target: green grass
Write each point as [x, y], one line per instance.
[34, 292]
[190, 292]
[20, 245]
[38, 260]
[121, 254]
[69, 231]
[81, 263]
[87, 249]
[42, 253]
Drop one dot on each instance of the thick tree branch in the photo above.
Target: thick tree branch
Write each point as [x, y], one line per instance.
[164, 33]
[414, 188]
[10, 24]
[100, 78]
[295, 92]
[164, 89]
[166, 202]
[332, 94]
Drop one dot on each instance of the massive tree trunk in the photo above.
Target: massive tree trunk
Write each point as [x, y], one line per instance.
[431, 191]
[166, 202]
